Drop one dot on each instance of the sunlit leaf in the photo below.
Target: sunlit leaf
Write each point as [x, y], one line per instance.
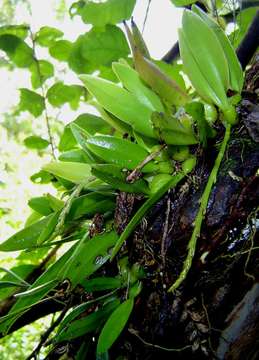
[47, 35]
[36, 142]
[101, 47]
[108, 12]
[75, 172]
[17, 50]
[32, 102]
[40, 72]
[61, 50]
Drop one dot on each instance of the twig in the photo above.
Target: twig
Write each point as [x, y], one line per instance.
[131, 177]
[43, 96]
[45, 336]
[135, 333]
[146, 15]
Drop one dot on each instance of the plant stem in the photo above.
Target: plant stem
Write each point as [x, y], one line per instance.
[202, 211]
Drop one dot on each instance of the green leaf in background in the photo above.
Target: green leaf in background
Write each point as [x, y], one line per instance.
[75, 172]
[61, 50]
[36, 142]
[76, 61]
[25, 238]
[20, 31]
[59, 94]
[47, 35]
[108, 12]
[101, 47]
[41, 205]
[179, 3]
[114, 326]
[17, 50]
[31, 101]
[91, 123]
[40, 72]
[89, 256]
[243, 19]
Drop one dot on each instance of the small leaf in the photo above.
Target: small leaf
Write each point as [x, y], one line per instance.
[61, 50]
[114, 326]
[76, 61]
[36, 142]
[17, 50]
[108, 12]
[47, 35]
[20, 31]
[77, 155]
[41, 205]
[59, 94]
[40, 72]
[103, 47]
[32, 102]
[41, 177]
[75, 172]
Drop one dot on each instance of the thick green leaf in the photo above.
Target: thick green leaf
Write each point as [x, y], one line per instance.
[59, 94]
[75, 172]
[114, 326]
[47, 35]
[90, 204]
[17, 50]
[112, 174]
[32, 102]
[36, 142]
[61, 50]
[101, 47]
[89, 256]
[102, 284]
[132, 82]
[243, 20]
[41, 205]
[40, 72]
[91, 123]
[25, 238]
[107, 12]
[77, 155]
[87, 324]
[120, 103]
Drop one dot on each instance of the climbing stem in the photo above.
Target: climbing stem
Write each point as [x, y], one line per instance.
[202, 211]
